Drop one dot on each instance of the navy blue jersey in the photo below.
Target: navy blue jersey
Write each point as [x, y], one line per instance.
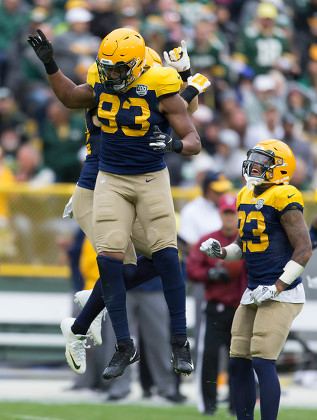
[90, 169]
[266, 247]
[128, 119]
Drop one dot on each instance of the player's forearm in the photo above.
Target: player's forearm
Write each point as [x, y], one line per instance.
[71, 95]
[296, 229]
[191, 144]
[233, 251]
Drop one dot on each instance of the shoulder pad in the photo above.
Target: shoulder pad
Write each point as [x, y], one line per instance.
[93, 75]
[164, 80]
[287, 194]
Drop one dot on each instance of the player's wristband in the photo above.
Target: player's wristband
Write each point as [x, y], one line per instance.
[51, 67]
[234, 252]
[178, 146]
[185, 74]
[291, 271]
[189, 93]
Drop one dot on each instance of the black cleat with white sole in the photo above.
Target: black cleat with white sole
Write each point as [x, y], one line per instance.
[124, 356]
[181, 357]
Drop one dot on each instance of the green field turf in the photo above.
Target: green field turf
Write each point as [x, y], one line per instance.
[35, 411]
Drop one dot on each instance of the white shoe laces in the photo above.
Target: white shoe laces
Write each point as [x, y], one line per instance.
[78, 349]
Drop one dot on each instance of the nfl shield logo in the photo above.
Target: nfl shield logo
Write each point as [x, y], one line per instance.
[141, 90]
[259, 204]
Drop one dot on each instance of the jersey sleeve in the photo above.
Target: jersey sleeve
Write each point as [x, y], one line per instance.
[167, 81]
[287, 198]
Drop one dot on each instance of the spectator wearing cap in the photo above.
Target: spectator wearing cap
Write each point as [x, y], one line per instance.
[76, 42]
[223, 283]
[300, 148]
[197, 218]
[229, 157]
[262, 44]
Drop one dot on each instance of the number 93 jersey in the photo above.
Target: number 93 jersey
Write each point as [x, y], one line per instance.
[266, 247]
[128, 120]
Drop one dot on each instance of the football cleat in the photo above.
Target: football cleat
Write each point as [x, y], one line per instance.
[94, 332]
[181, 358]
[75, 347]
[124, 356]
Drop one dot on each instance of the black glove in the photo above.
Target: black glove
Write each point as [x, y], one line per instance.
[314, 244]
[42, 46]
[44, 50]
[162, 142]
[218, 274]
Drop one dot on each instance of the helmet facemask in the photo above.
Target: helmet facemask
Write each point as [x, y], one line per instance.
[259, 166]
[123, 72]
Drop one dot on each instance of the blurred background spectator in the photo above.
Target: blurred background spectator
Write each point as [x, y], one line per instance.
[223, 285]
[197, 218]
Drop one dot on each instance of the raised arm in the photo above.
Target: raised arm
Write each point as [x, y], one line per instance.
[71, 95]
[192, 85]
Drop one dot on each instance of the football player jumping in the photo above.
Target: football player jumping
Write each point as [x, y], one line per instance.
[274, 240]
[81, 205]
[135, 107]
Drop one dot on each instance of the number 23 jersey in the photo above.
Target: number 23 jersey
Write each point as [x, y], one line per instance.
[128, 120]
[266, 247]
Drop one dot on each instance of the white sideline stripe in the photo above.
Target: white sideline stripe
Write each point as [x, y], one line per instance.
[32, 340]
[21, 416]
[34, 308]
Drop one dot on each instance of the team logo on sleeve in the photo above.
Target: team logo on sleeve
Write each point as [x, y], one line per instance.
[259, 204]
[141, 90]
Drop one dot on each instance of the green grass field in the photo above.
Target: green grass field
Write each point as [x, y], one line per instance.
[35, 411]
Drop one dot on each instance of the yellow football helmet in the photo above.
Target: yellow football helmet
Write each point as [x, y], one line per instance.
[269, 161]
[120, 59]
[152, 58]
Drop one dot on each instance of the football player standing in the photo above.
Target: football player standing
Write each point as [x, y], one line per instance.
[274, 240]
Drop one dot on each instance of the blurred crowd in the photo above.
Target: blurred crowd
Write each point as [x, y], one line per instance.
[260, 55]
